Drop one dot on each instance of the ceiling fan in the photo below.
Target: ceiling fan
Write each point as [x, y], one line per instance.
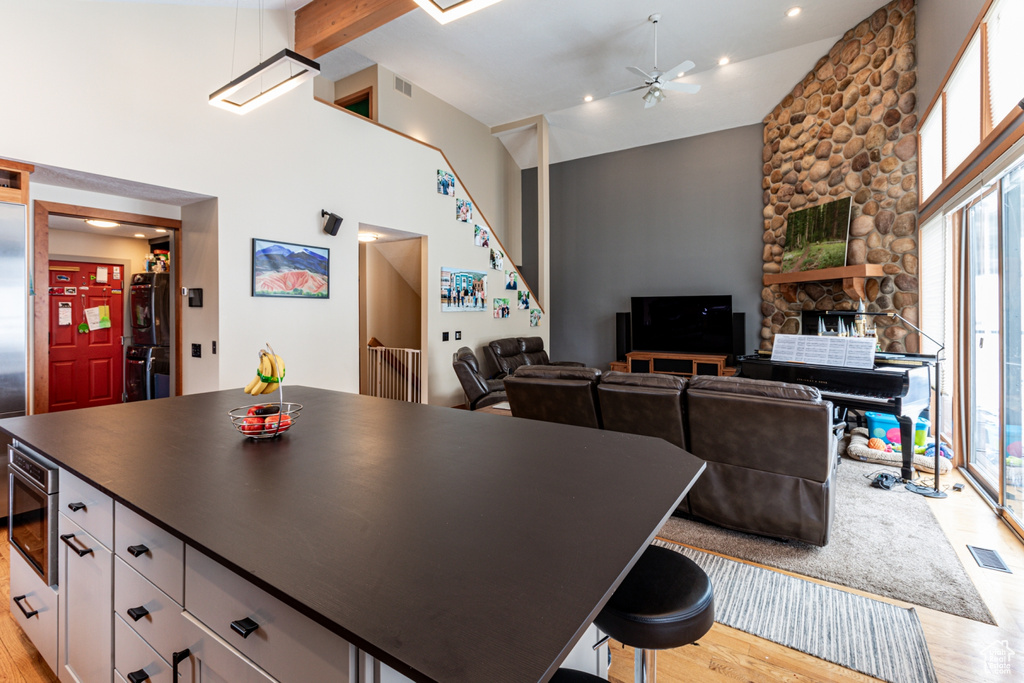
[657, 82]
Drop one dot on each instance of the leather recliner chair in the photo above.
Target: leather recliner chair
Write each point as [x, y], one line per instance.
[771, 457]
[480, 392]
[567, 395]
[511, 353]
[647, 404]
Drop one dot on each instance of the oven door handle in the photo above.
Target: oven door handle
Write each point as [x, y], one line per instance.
[17, 601]
[82, 552]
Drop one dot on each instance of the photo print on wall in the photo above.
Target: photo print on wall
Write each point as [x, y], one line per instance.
[445, 183]
[501, 308]
[281, 269]
[524, 300]
[463, 291]
[511, 279]
[464, 210]
[497, 259]
[534, 317]
[481, 236]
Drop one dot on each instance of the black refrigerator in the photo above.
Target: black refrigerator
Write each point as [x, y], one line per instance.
[148, 359]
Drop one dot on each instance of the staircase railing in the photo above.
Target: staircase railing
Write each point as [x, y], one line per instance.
[394, 373]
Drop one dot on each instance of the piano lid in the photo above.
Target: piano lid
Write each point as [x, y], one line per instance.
[881, 359]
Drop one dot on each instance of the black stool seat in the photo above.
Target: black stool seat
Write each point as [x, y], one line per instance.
[574, 676]
[665, 601]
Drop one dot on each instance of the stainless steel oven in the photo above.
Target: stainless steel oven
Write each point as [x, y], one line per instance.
[32, 508]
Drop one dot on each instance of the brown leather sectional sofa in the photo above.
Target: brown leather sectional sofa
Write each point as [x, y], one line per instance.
[770, 447]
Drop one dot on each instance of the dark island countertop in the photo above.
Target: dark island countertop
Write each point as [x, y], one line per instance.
[453, 546]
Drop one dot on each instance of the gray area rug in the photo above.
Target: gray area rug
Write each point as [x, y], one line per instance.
[869, 636]
[883, 542]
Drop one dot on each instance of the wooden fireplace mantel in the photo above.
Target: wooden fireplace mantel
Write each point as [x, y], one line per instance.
[852, 277]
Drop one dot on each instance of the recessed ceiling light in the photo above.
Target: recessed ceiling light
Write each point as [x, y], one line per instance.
[139, 234]
[368, 237]
[588, 98]
[159, 229]
[793, 11]
[97, 223]
[446, 10]
[723, 61]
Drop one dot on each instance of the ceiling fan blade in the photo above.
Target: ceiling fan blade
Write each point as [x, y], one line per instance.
[685, 66]
[690, 88]
[639, 72]
[619, 92]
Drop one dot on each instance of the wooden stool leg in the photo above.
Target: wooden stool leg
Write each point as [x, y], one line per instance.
[645, 667]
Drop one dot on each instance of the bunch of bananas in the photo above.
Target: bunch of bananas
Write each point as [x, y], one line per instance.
[268, 375]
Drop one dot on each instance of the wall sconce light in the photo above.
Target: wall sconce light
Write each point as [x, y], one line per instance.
[445, 11]
[285, 78]
[332, 223]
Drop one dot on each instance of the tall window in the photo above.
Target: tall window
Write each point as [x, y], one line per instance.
[963, 107]
[1005, 57]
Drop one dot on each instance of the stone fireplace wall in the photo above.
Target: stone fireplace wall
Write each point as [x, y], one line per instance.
[849, 129]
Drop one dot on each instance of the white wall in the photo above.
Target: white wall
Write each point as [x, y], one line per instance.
[201, 325]
[139, 76]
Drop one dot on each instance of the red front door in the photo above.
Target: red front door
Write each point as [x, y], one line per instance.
[86, 368]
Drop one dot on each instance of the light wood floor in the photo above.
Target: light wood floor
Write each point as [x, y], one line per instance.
[960, 648]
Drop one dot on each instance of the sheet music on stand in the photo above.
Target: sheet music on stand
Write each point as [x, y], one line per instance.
[847, 352]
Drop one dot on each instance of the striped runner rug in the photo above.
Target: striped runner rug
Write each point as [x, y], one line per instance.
[869, 636]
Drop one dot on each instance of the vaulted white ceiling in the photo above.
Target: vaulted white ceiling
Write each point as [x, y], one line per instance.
[523, 58]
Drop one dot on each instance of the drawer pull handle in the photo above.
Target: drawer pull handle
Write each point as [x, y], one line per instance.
[244, 627]
[177, 658]
[137, 613]
[137, 550]
[28, 615]
[138, 676]
[82, 552]
[75, 507]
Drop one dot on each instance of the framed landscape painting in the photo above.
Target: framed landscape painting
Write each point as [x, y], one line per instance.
[281, 269]
[816, 237]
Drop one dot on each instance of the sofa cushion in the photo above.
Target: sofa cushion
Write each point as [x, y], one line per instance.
[558, 372]
[531, 344]
[644, 379]
[756, 387]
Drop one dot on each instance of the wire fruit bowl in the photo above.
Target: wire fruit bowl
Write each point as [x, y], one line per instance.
[265, 420]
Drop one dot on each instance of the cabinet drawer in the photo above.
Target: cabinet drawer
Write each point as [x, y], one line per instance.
[87, 507]
[161, 624]
[219, 662]
[136, 661]
[153, 552]
[284, 643]
[41, 627]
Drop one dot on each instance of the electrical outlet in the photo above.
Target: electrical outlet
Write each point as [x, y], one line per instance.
[458, 335]
[197, 350]
[444, 336]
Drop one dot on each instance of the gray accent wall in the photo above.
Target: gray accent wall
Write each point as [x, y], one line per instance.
[676, 218]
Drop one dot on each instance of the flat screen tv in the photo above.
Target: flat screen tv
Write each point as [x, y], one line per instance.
[682, 324]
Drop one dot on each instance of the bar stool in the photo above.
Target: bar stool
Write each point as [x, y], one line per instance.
[665, 601]
[574, 676]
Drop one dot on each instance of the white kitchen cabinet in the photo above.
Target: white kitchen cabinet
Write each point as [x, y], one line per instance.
[151, 551]
[218, 661]
[88, 507]
[286, 644]
[34, 606]
[86, 584]
[136, 661]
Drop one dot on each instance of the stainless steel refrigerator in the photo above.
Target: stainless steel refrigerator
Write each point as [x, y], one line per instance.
[13, 318]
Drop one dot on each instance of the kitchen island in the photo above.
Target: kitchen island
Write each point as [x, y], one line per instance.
[450, 546]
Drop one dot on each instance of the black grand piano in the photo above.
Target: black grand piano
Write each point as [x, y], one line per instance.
[899, 385]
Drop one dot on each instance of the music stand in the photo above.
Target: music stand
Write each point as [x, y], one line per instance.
[937, 422]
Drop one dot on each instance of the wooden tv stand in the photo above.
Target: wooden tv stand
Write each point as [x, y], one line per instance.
[683, 364]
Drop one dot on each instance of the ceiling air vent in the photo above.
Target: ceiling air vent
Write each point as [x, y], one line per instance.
[403, 86]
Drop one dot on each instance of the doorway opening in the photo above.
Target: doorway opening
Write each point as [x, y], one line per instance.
[54, 372]
[392, 315]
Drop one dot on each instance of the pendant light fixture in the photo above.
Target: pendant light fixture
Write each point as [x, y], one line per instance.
[283, 72]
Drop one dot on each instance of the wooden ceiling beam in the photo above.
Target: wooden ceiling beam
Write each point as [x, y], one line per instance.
[324, 25]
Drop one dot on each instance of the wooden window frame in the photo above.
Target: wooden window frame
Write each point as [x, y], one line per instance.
[349, 100]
